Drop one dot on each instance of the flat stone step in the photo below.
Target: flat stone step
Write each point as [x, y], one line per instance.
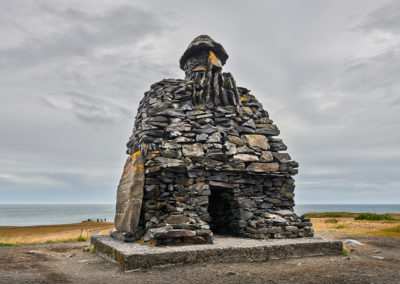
[133, 256]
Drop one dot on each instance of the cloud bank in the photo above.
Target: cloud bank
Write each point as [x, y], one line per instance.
[73, 73]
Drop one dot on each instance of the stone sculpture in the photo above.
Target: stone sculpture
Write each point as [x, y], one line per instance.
[203, 159]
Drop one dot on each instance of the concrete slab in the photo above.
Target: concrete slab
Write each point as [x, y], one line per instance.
[133, 256]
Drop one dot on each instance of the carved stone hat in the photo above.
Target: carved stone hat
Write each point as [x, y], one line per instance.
[200, 43]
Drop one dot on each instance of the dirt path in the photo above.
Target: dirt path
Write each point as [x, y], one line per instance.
[67, 263]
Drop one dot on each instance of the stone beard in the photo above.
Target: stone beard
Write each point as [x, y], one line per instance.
[203, 159]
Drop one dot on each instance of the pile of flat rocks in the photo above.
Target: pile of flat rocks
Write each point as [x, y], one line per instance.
[202, 166]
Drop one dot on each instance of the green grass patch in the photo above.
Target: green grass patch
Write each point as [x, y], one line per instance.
[91, 249]
[331, 220]
[344, 252]
[374, 217]
[331, 215]
[7, 244]
[387, 216]
[341, 226]
[82, 239]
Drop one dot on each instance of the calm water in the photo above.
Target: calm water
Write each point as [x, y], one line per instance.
[30, 214]
[40, 214]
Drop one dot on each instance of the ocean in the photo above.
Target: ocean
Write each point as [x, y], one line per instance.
[48, 214]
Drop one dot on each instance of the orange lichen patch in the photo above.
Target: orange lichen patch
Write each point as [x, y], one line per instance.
[248, 110]
[213, 58]
[253, 138]
[154, 154]
[134, 155]
[138, 167]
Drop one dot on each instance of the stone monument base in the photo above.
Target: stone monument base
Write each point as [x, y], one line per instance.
[133, 256]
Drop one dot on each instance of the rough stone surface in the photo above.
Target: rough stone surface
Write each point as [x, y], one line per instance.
[130, 194]
[256, 140]
[263, 167]
[132, 256]
[209, 161]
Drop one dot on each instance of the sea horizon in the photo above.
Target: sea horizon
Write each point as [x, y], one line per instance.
[31, 214]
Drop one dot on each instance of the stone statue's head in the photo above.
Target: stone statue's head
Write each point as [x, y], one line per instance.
[203, 49]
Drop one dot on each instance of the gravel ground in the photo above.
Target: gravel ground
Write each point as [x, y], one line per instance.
[377, 261]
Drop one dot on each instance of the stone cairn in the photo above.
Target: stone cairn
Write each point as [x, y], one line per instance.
[203, 159]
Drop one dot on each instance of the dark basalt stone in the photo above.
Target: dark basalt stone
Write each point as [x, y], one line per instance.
[203, 159]
[200, 43]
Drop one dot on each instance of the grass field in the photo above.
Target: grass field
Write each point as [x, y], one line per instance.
[345, 222]
[341, 222]
[50, 233]
[344, 215]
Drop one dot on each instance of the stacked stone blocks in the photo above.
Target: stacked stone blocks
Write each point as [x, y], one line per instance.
[206, 164]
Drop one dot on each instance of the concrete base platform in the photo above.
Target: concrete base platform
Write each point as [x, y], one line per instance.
[132, 256]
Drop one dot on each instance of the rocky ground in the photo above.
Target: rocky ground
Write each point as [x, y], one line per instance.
[377, 261]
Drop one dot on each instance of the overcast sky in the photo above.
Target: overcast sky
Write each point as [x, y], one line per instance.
[72, 74]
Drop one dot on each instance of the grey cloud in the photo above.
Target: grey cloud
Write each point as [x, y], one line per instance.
[73, 74]
[385, 18]
[78, 34]
[88, 108]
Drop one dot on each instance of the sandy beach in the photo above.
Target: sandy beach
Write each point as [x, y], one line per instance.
[375, 260]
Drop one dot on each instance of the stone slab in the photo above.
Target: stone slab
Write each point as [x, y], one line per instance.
[133, 256]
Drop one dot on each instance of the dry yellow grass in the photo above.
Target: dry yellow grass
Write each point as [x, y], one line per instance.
[69, 232]
[48, 233]
[350, 226]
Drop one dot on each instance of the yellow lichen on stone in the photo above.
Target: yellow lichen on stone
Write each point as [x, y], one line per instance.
[200, 68]
[213, 58]
[253, 138]
[137, 166]
[136, 154]
[243, 99]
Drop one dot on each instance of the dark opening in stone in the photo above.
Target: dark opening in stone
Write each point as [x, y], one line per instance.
[220, 209]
